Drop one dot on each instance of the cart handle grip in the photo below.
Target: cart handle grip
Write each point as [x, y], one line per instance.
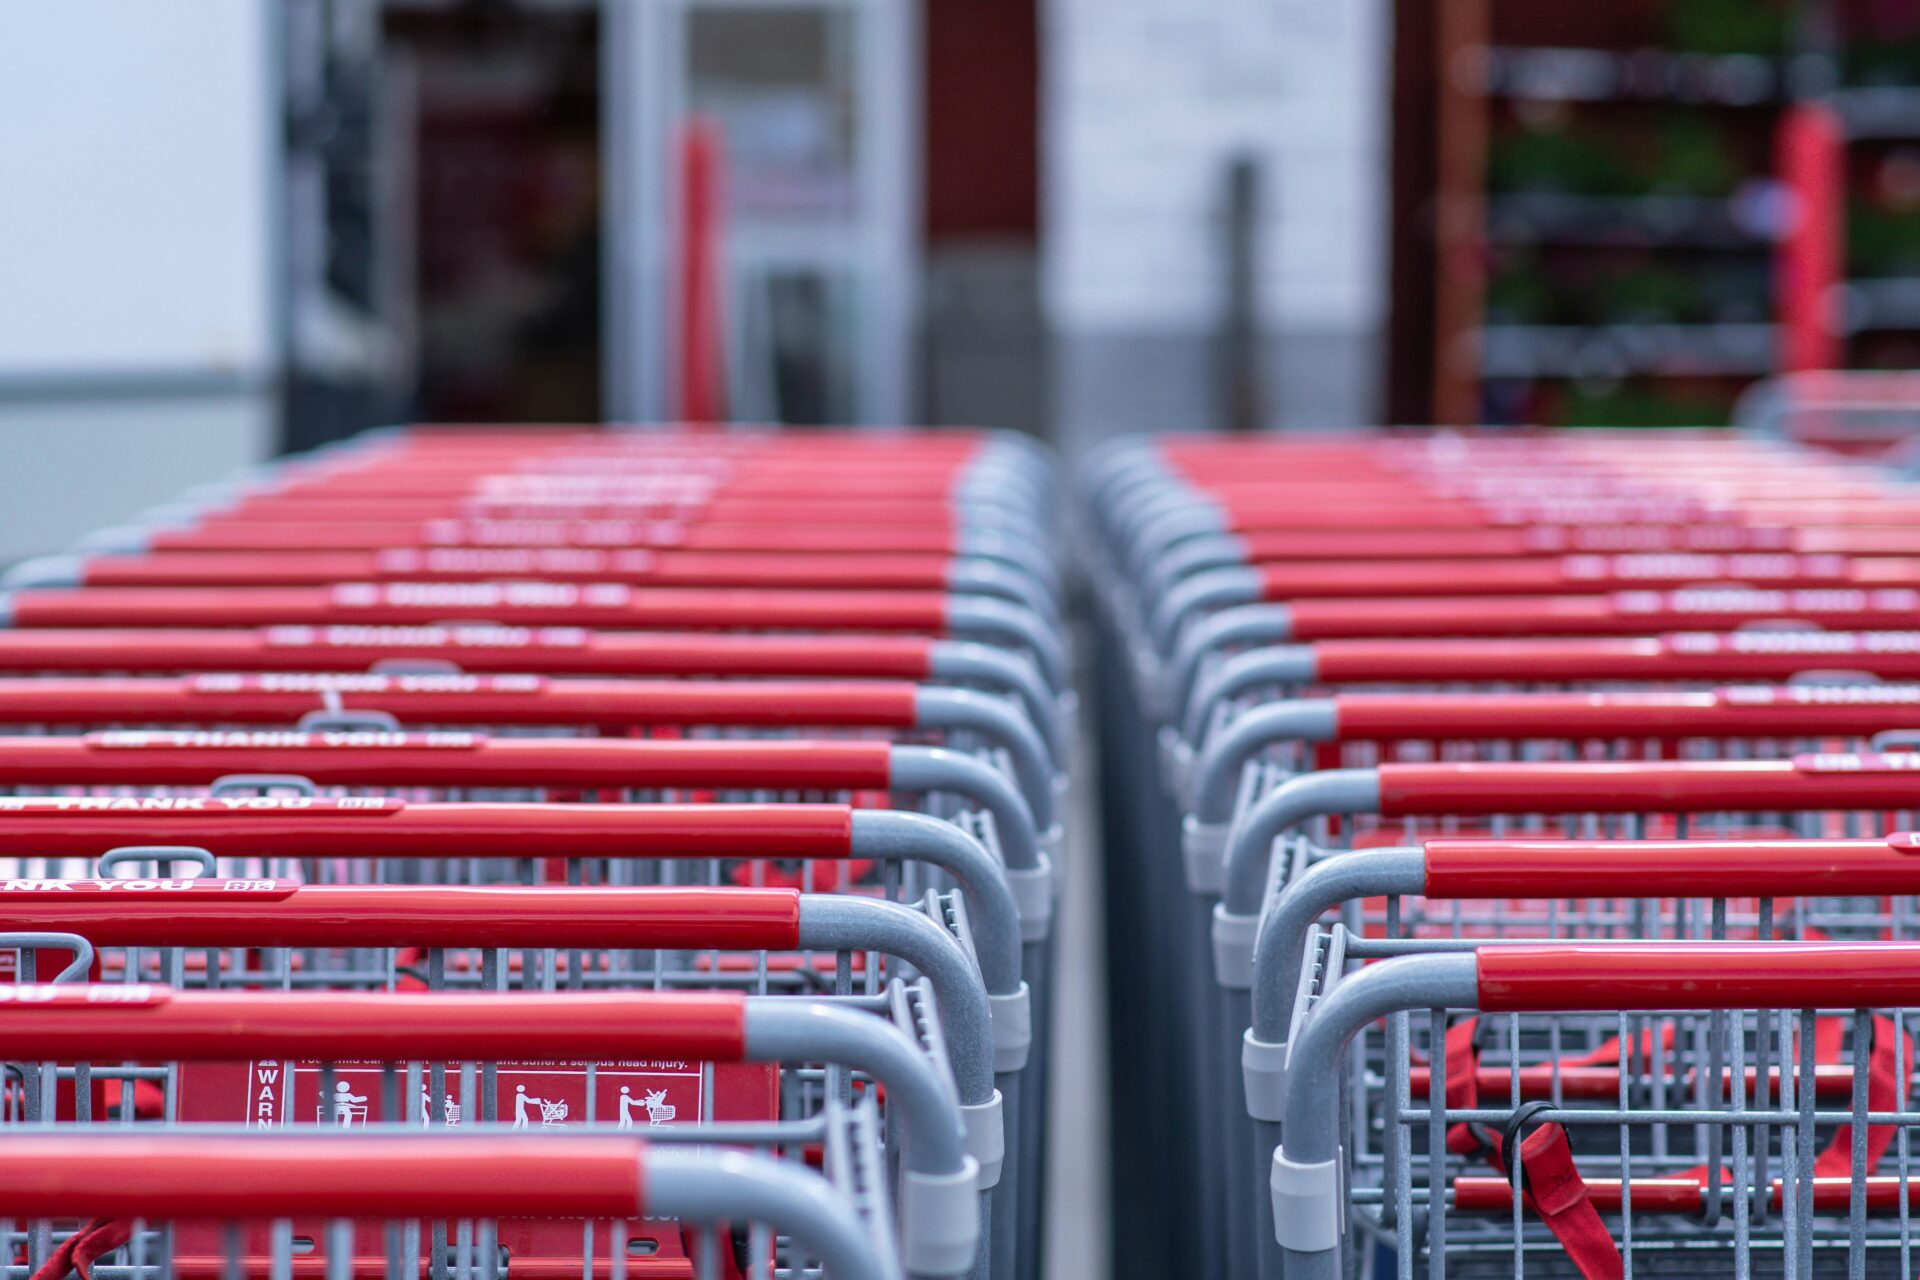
[1810, 782]
[1470, 869]
[1627, 977]
[158, 1024]
[375, 1178]
[247, 826]
[492, 648]
[271, 913]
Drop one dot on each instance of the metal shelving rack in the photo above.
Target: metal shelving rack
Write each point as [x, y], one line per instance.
[1730, 235]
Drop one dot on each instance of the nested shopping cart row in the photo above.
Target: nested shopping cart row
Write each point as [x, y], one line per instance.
[542, 853]
[1407, 722]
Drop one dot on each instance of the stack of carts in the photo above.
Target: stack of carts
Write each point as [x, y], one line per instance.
[537, 853]
[1524, 826]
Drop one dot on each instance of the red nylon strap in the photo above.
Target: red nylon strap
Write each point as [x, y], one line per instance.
[1553, 1186]
[1556, 1191]
[1885, 1092]
[79, 1251]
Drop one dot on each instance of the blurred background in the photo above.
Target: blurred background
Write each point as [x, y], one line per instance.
[240, 226]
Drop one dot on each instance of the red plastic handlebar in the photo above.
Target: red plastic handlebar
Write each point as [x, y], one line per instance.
[1750, 712]
[267, 913]
[553, 650]
[1542, 576]
[76, 826]
[894, 571]
[555, 604]
[1759, 655]
[1544, 539]
[1622, 613]
[534, 525]
[458, 699]
[155, 1024]
[1763, 786]
[1720, 975]
[197, 757]
[374, 1178]
[1662, 868]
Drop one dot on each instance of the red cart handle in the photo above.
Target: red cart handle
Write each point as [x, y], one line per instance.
[375, 758]
[555, 604]
[458, 699]
[1695, 655]
[155, 1024]
[518, 525]
[1746, 712]
[1472, 869]
[1543, 539]
[1804, 783]
[280, 913]
[1634, 976]
[1329, 579]
[1622, 613]
[364, 827]
[404, 501]
[891, 570]
[479, 647]
[375, 1177]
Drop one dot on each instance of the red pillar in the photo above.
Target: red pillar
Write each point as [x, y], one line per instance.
[1812, 257]
[698, 337]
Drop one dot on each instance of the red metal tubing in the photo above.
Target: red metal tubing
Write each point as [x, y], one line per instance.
[155, 1024]
[1768, 786]
[266, 913]
[513, 525]
[1687, 1195]
[1667, 868]
[1627, 612]
[1579, 1082]
[1545, 576]
[1759, 655]
[553, 604]
[890, 571]
[372, 758]
[1544, 539]
[478, 648]
[1632, 976]
[1739, 712]
[380, 1178]
[76, 826]
[454, 699]
[417, 500]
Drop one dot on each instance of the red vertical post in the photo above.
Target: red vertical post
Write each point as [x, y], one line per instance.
[698, 339]
[1811, 263]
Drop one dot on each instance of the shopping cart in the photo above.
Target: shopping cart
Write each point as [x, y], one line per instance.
[879, 570]
[1443, 895]
[465, 765]
[293, 654]
[1811, 795]
[1712, 1150]
[519, 705]
[592, 1190]
[360, 722]
[1695, 659]
[698, 544]
[282, 839]
[1210, 551]
[602, 605]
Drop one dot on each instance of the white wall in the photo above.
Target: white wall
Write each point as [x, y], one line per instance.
[1147, 101]
[138, 153]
